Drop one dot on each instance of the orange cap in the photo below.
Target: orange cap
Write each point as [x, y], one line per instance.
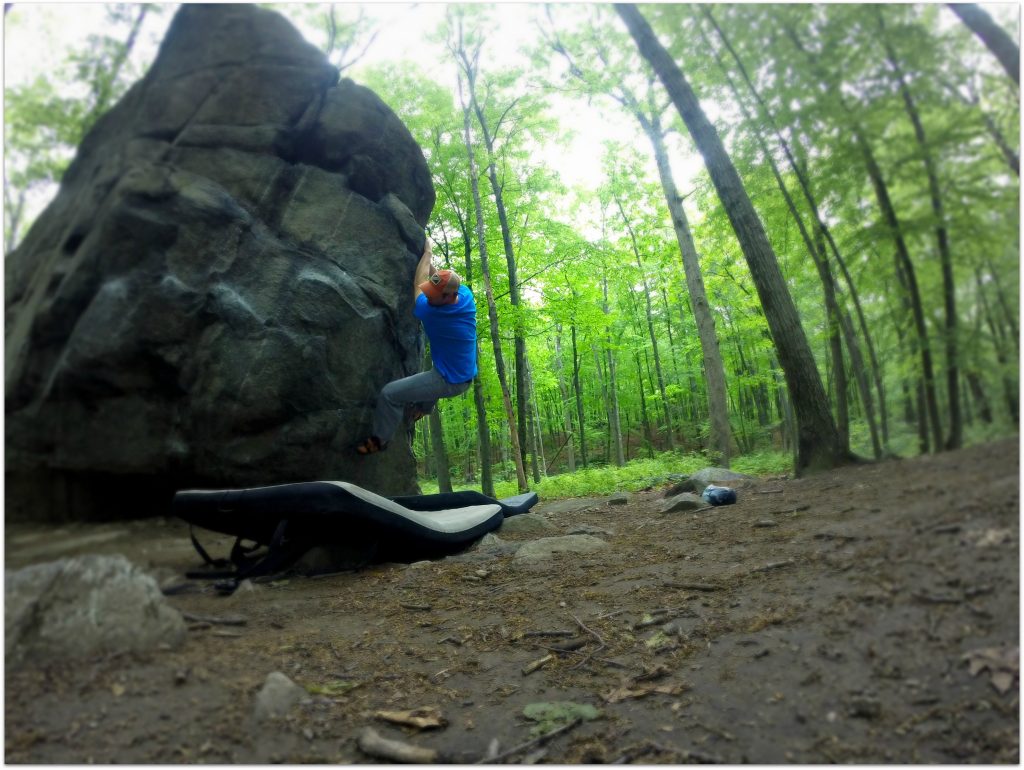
[442, 288]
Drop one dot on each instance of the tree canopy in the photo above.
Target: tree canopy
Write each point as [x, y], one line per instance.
[810, 245]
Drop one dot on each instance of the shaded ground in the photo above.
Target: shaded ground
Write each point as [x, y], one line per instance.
[817, 620]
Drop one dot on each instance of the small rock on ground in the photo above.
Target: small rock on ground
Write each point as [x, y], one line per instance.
[278, 695]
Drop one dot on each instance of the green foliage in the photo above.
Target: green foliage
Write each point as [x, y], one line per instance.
[602, 267]
[763, 463]
[635, 475]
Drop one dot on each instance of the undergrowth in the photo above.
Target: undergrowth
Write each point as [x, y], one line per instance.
[635, 475]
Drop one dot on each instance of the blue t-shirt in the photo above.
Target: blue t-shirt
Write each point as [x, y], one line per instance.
[451, 330]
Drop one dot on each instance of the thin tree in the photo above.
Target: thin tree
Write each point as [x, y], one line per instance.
[666, 406]
[649, 117]
[819, 445]
[822, 225]
[839, 321]
[492, 311]
[470, 66]
[941, 236]
[892, 222]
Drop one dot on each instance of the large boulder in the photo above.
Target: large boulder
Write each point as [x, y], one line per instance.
[84, 606]
[222, 284]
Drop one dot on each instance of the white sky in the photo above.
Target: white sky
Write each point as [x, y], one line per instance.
[37, 36]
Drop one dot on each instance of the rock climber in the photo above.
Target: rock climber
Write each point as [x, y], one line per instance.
[447, 311]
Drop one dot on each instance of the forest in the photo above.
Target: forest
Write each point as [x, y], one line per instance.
[808, 255]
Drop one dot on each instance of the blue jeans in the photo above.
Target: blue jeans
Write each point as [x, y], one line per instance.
[424, 389]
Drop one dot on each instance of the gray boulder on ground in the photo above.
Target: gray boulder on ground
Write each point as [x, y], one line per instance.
[722, 476]
[84, 606]
[687, 501]
[546, 547]
[222, 284]
[525, 524]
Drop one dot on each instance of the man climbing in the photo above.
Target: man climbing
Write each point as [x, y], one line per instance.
[447, 311]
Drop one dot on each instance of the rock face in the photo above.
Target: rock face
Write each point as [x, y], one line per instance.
[222, 285]
[88, 605]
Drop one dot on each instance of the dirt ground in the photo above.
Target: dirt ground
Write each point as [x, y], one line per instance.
[836, 618]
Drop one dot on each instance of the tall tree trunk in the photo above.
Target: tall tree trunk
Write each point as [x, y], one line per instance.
[492, 311]
[910, 277]
[579, 396]
[978, 392]
[819, 443]
[1010, 155]
[666, 406]
[837, 319]
[483, 430]
[570, 455]
[902, 253]
[522, 389]
[648, 433]
[483, 433]
[1009, 389]
[603, 384]
[536, 435]
[613, 387]
[1009, 315]
[714, 371]
[805, 187]
[942, 240]
[444, 478]
[992, 35]
[920, 409]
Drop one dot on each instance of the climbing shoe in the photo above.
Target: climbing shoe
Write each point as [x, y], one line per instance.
[370, 446]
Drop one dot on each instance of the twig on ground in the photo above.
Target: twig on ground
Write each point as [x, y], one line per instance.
[767, 491]
[590, 631]
[568, 645]
[936, 599]
[538, 741]
[217, 621]
[725, 734]
[774, 565]
[587, 656]
[371, 742]
[549, 633]
[529, 668]
[410, 606]
[693, 586]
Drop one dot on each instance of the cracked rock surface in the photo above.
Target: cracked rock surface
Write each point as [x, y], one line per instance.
[221, 286]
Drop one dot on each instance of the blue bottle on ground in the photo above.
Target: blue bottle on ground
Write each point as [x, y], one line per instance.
[719, 495]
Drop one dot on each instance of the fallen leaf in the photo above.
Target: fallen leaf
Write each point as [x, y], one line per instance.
[118, 689]
[625, 692]
[993, 537]
[660, 642]
[422, 718]
[332, 689]
[1002, 681]
[1002, 663]
[551, 716]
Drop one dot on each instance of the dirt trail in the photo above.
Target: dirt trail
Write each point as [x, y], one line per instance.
[817, 620]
